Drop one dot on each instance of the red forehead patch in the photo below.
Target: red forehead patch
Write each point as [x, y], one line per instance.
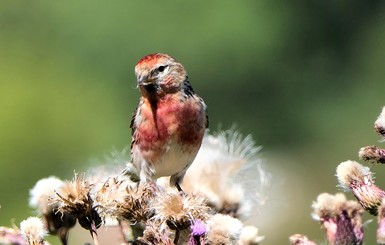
[152, 58]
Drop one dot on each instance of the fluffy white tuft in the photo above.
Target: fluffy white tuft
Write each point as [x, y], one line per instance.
[327, 205]
[33, 230]
[225, 167]
[351, 172]
[250, 236]
[223, 229]
[41, 193]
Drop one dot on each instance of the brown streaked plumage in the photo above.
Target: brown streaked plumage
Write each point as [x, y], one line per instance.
[169, 123]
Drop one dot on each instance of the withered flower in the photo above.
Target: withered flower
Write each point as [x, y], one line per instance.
[220, 173]
[223, 229]
[154, 234]
[74, 198]
[33, 231]
[353, 176]
[176, 210]
[250, 236]
[342, 219]
[372, 154]
[133, 205]
[42, 199]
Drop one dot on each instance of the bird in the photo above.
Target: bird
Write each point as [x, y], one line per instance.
[169, 122]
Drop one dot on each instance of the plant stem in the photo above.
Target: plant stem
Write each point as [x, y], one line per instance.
[94, 234]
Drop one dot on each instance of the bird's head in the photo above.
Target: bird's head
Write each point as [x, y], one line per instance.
[159, 74]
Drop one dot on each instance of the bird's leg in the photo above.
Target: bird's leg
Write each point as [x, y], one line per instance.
[177, 233]
[179, 188]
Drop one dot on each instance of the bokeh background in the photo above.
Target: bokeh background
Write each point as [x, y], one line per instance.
[305, 79]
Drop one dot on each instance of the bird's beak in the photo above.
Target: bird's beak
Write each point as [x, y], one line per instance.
[146, 83]
[145, 80]
[142, 80]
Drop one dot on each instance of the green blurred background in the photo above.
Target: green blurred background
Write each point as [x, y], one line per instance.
[306, 79]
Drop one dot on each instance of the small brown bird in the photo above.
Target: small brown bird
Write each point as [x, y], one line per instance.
[169, 122]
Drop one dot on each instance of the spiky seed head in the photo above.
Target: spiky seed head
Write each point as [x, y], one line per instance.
[122, 200]
[155, 234]
[74, 197]
[178, 211]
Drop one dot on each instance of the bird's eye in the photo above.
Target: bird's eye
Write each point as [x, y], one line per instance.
[161, 68]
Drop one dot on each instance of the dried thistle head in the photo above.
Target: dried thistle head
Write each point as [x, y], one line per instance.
[107, 194]
[223, 229]
[299, 239]
[74, 197]
[33, 231]
[123, 200]
[372, 154]
[41, 194]
[178, 211]
[353, 176]
[155, 234]
[341, 219]
[42, 197]
[250, 236]
[328, 206]
[379, 124]
[220, 173]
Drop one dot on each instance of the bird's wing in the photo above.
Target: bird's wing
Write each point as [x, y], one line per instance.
[132, 124]
[189, 91]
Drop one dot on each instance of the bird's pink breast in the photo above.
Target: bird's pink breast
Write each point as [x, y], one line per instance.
[172, 121]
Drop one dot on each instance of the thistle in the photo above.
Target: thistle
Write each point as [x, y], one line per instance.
[372, 154]
[341, 219]
[33, 231]
[223, 229]
[221, 171]
[357, 178]
[178, 211]
[42, 199]
[250, 236]
[75, 198]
